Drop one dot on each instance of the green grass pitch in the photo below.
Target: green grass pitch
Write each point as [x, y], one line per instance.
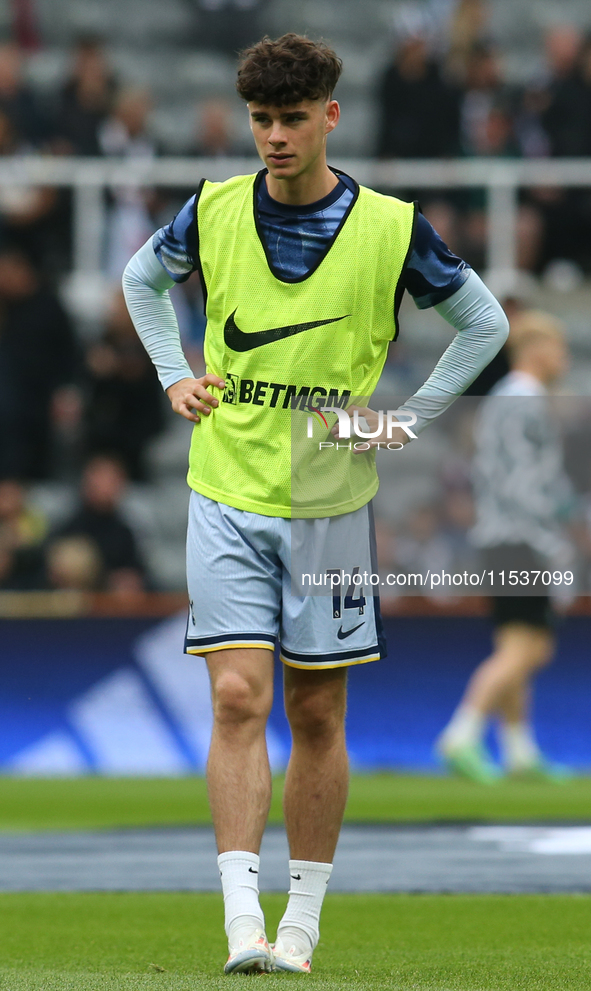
[95, 803]
[175, 942]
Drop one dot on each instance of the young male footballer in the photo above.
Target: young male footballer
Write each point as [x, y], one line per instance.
[303, 271]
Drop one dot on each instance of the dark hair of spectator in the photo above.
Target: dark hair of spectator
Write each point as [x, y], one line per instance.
[286, 71]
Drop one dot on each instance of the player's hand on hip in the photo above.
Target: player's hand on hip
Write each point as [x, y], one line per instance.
[190, 397]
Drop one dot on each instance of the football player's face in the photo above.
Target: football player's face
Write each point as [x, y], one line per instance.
[291, 139]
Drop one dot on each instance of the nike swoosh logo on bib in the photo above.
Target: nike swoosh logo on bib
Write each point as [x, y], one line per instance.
[343, 634]
[237, 340]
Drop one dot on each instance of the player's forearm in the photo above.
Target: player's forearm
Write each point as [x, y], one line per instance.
[145, 286]
[482, 330]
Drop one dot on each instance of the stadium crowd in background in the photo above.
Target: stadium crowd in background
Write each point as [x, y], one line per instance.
[442, 91]
[457, 102]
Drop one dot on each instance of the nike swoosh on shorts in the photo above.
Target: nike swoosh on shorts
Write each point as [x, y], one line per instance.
[237, 340]
[343, 634]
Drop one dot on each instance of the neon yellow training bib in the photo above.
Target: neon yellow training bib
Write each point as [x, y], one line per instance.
[280, 344]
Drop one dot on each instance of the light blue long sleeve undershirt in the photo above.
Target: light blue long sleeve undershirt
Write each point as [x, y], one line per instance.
[145, 286]
[482, 329]
[473, 311]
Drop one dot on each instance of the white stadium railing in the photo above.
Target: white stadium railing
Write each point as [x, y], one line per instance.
[502, 179]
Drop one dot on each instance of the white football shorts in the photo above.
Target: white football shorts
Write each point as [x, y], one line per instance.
[243, 591]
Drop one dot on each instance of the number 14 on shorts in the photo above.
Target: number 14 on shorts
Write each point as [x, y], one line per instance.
[353, 581]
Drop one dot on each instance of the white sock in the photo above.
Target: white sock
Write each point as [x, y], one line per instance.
[299, 925]
[518, 746]
[466, 726]
[239, 871]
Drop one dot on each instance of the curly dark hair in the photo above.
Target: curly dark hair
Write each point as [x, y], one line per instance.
[286, 71]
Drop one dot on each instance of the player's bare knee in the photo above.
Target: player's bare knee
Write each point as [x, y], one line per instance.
[314, 716]
[237, 699]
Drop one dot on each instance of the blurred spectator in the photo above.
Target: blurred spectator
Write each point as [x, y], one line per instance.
[17, 100]
[74, 563]
[25, 525]
[29, 215]
[529, 131]
[22, 531]
[126, 133]
[27, 212]
[489, 110]
[99, 520]
[68, 432]
[562, 103]
[565, 115]
[418, 109]
[124, 407]
[215, 133]
[84, 101]
[468, 28]
[486, 126]
[38, 357]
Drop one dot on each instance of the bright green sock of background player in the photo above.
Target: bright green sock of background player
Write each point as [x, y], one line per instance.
[500, 686]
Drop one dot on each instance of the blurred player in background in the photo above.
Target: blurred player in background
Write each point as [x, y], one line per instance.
[303, 271]
[523, 502]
